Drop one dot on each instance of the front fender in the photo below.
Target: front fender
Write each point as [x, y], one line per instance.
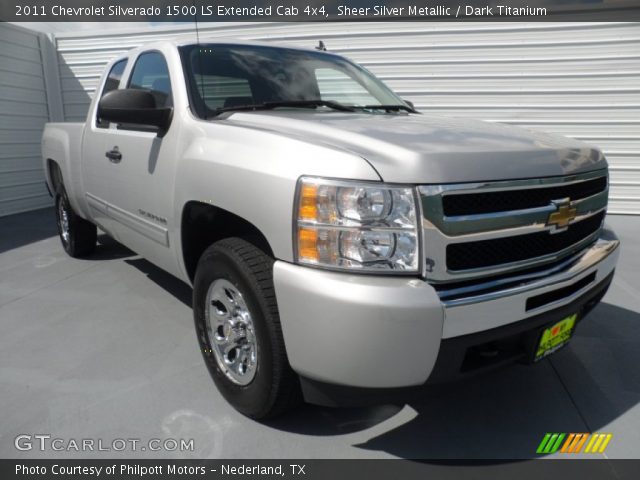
[253, 174]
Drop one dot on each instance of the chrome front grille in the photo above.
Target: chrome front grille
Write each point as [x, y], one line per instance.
[499, 201]
[485, 230]
[497, 251]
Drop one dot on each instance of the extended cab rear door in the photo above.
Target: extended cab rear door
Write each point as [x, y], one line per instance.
[129, 170]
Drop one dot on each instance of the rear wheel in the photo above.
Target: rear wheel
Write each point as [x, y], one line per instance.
[78, 236]
[238, 328]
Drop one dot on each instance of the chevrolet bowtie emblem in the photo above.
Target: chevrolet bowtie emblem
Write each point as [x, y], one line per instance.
[563, 216]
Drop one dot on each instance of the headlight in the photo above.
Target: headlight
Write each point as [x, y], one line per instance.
[356, 226]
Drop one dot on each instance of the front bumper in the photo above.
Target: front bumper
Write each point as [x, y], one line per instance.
[358, 330]
[492, 309]
[461, 357]
[377, 332]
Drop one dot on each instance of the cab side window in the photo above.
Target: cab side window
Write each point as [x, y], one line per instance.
[112, 82]
[151, 73]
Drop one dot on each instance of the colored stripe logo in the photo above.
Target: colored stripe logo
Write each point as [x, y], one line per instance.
[574, 443]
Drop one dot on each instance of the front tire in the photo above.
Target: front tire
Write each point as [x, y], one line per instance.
[238, 328]
[78, 236]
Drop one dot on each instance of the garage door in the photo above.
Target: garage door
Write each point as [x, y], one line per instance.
[23, 113]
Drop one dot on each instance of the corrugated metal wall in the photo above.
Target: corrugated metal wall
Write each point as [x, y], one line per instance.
[23, 113]
[580, 80]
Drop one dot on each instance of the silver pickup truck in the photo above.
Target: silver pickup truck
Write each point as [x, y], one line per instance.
[342, 247]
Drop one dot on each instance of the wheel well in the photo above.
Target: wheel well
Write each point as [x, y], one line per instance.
[204, 224]
[55, 174]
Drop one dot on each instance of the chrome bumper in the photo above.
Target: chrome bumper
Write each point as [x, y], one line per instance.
[471, 314]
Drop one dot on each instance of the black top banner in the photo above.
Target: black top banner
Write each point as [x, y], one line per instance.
[318, 10]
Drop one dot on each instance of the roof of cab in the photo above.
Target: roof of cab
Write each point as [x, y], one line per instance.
[210, 41]
[220, 41]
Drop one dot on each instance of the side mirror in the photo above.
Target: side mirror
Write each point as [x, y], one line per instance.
[135, 107]
[409, 102]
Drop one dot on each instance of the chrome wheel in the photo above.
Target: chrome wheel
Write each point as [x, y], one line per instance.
[231, 332]
[63, 220]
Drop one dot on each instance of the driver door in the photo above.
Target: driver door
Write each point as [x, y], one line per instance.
[129, 178]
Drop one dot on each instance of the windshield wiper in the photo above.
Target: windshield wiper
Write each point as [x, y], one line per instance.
[310, 103]
[285, 103]
[388, 108]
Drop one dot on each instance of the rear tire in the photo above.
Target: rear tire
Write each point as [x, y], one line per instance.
[238, 329]
[78, 236]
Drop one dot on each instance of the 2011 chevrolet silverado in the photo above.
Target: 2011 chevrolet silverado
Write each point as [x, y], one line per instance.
[341, 245]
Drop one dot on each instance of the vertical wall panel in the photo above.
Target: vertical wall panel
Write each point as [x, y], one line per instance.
[580, 80]
[23, 113]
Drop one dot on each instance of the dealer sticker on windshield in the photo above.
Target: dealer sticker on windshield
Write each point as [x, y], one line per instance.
[555, 337]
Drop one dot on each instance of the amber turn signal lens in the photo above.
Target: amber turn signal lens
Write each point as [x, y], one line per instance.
[308, 202]
[308, 244]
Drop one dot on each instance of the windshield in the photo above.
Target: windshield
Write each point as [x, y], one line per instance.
[232, 76]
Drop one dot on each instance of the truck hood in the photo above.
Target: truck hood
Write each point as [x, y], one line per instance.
[430, 149]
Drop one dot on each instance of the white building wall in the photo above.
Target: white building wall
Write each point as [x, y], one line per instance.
[580, 80]
[23, 113]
